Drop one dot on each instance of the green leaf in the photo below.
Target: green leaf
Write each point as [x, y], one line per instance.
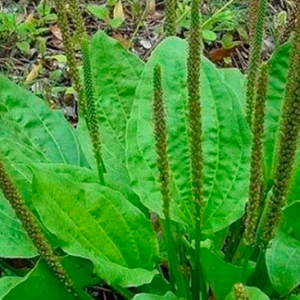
[294, 297]
[116, 73]
[168, 296]
[48, 133]
[283, 263]
[97, 223]
[14, 241]
[236, 81]
[226, 142]
[24, 47]
[221, 275]
[115, 23]
[277, 80]
[292, 218]
[8, 283]
[252, 292]
[40, 283]
[85, 177]
[99, 11]
[209, 35]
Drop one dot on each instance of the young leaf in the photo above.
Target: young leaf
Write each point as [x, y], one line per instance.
[283, 263]
[226, 142]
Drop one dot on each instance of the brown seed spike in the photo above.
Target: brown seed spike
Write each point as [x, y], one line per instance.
[255, 188]
[289, 134]
[32, 227]
[195, 128]
[258, 14]
[70, 51]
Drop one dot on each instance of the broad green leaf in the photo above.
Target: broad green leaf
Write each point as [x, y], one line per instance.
[253, 293]
[14, 241]
[168, 296]
[292, 218]
[116, 73]
[294, 297]
[99, 11]
[277, 80]
[221, 275]
[97, 223]
[226, 142]
[283, 263]
[40, 283]
[46, 130]
[8, 283]
[236, 81]
[80, 175]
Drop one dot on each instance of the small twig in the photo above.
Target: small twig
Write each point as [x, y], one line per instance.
[143, 16]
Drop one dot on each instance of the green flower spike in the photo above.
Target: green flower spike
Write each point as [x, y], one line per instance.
[70, 52]
[255, 188]
[33, 229]
[160, 132]
[256, 42]
[170, 17]
[290, 26]
[195, 123]
[253, 8]
[77, 18]
[288, 138]
[92, 116]
[240, 292]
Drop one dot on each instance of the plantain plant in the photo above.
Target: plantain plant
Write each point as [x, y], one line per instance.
[198, 198]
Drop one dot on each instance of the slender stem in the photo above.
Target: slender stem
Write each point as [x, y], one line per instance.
[123, 292]
[245, 263]
[258, 269]
[160, 133]
[139, 24]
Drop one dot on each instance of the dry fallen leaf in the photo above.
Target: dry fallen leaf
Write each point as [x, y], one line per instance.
[219, 54]
[30, 17]
[56, 31]
[152, 6]
[118, 11]
[34, 73]
[120, 38]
